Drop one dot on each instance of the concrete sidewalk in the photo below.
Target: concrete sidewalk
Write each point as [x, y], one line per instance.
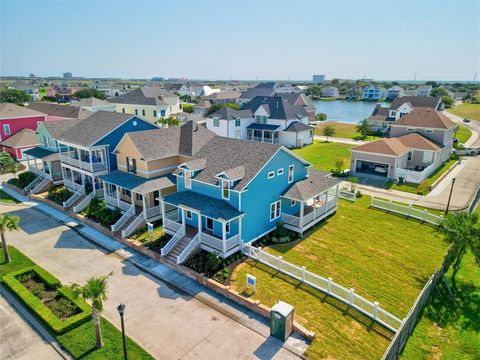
[62, 243]
[339, 140]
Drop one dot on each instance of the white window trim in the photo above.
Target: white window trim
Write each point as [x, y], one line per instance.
[271, 174]
[5, 127]
[280, 172]
[277, 208]
[227, 227]
[227, 188]
[185, 171]
[206, 224]
[293, 173]
[293, 203]
[186, 214]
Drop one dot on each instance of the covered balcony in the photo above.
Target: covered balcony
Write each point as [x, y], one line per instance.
[216, 223]
[92, 160]
[263, 133]
[309, 201]
[45, 163]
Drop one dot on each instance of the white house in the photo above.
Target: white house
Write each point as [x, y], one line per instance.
[423, 90]
[330, 91]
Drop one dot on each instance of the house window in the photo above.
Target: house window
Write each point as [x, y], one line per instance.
[428, 131]
[237, 122]
[410, 129]
[6, 129]
[293, 202]
[225, 189]
[123, 110]
[209, 224]
[136, 111]
[227, 227]
[162, 113]
[290, 173]
[271, 174]
[261, 119]
[131, 165]
[156, 195]
[143, 112]
[126, 192]
[138, 196]
[155, 113]
[216, 122]
[274, 210]
[410, 155]
[188, 214]
[280, 172]
[188, 178]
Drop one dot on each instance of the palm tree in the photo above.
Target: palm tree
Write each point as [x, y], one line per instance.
[7, 223]
[14, 169]
[5, 160]
[94, 290]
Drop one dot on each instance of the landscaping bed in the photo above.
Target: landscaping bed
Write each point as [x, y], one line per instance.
[97, 211]
[59, 194]
[23, 180]
[213, 266]
[43, 294]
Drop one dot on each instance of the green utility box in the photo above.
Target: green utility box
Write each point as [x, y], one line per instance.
[281, 320]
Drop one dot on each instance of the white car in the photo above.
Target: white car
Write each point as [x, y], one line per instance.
[381, 169]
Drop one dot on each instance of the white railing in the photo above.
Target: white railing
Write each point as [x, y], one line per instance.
[71, 184]
[34, 183]
[83, 204]
[92, 167]
[171, 221]
[319, 213]
[57, 175]
[173, 241]
[73, 198]
[139, 220]
[36, 170]
[111, 200]
[124, 205]
[212, 241]
[192, 245]
[127, 215]
[233, 241]
[416, 177]
[290, 219]
[152, 212]
[326, 285]
[347, 195]
[40, 186]
[407, 210]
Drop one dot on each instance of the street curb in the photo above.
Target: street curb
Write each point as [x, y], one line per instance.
[34, 323]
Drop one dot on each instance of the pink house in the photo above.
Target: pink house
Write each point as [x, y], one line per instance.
[14, 118]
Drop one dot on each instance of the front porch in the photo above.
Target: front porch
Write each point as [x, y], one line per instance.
[263, 133]
[216, 226]
[91, 160]
[44, 163]
[309, 201]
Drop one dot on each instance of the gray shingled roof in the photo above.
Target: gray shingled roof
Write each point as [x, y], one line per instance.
[298, 126]
[276, 107]
[146, 96]
[58, 127]
[138, 184]
[8, 110]
[25, 137]
[227, 113]
[316, 183]
[88, 131]
[66, 111]
[416, 101]
[167, 142]
[207, 206]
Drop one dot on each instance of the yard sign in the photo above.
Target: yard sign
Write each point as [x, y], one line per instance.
[252, 282]
[150, 228]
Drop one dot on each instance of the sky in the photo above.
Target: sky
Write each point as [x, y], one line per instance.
[279, 40]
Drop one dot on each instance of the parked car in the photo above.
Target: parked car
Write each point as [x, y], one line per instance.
[466, 120]
[381, 169]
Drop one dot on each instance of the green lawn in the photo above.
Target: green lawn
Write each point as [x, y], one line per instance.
[424, 187]
[463, 133]
[322, 155]
[384, 257]
[342, 130]
[470, 111]
[144, 236]
[80, 341]
[450, 330]
[7, 199]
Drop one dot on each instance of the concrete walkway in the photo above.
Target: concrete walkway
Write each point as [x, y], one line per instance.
[339, 140]
[165, 320]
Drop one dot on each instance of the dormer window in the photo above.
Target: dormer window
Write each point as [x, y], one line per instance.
[131, 165]
[216, 122]
[187, 176]
[225, 189]
[261, 119]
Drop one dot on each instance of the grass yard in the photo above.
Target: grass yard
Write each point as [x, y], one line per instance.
[7, 199]
[144, 236]
[384, 257]
[463, 133]
[80, 341]
[322, 155]
[424, 187]
[470, 111]
[449, 330]
[343, 130]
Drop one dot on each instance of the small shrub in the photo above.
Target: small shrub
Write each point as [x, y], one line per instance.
[359, 194]
[159, 243]
[64, 308]
[38, 290]
[59, 194]
[454, 156]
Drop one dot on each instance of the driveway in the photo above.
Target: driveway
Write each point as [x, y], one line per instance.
[167, 323]
[18, 340]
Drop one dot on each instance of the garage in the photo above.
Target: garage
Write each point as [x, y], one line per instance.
[371, 168]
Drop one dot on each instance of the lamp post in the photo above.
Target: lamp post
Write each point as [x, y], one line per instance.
[121, 310]
[450, 197]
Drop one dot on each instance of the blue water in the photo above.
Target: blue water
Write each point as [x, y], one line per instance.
[345, 111]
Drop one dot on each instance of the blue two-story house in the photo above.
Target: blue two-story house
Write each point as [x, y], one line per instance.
[234, 191]
[88, 152]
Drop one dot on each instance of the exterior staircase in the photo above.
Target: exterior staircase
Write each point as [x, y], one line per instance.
[171, 258]
[41, 186]
[126, 224]
[78, 200]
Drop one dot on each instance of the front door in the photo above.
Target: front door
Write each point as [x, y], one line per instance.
[209, 224]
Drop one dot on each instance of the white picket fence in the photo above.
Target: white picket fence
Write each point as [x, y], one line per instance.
[326, 285]
[407, 210]
[347, 195]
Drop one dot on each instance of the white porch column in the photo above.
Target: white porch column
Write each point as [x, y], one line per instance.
[326, 201]
[118, 195]
[93, 184]
[301, 215]
[105, 191]
[90, 160]
[162, 204]
[240, 232]
[184, 225]
[199, 218]
[263, 135]
[224, 236]
[338, 190]
[315, 207]
[273, 133]
[144, 207]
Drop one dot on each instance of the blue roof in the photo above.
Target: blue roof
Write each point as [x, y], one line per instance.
[206, 205]
[42, 153]
[136, 183]
[268, 127]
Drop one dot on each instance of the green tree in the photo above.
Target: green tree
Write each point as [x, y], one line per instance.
[6, 160]
[14, 96]
[88, 93]
[217, 107]
[462, 231]
[447, 101]
[170, 121]
[328, 131]
[321, 117]
[363, 127]
[7, 223]
[13, 168]
[439, 92]
[339, 164]
[94, 290]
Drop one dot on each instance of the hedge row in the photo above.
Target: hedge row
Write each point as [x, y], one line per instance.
[37, 307]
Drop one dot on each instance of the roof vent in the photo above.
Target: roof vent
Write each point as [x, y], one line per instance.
[195, 128]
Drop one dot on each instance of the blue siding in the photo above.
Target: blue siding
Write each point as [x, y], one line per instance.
[217, 225]
[114, 137]
[263, 191]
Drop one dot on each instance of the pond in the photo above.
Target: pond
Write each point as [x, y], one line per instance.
[346, 111]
